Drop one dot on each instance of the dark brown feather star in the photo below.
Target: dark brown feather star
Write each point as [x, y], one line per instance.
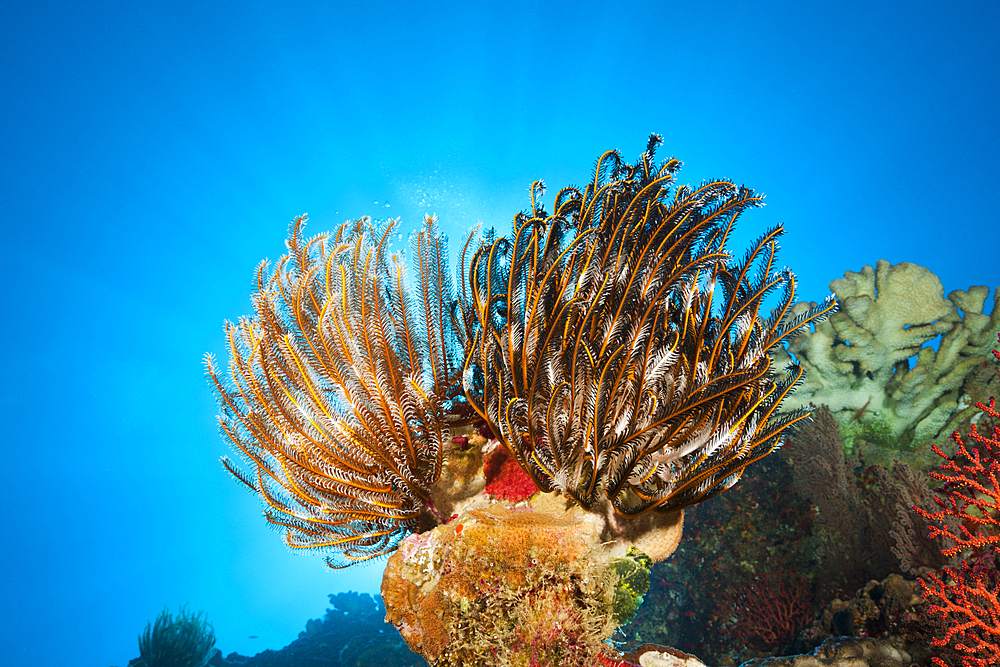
[619, 348]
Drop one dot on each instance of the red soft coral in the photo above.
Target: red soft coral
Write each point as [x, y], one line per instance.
[770, 611]
[505, 479]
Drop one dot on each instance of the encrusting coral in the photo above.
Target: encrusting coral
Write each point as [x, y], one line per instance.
[613, 349]
[871, 364]
[505, 583]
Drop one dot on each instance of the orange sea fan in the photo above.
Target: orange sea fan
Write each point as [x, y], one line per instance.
[619, 352]
[343, 386]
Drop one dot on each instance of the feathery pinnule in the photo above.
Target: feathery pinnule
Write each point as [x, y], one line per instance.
[343, 386]
[610, 365]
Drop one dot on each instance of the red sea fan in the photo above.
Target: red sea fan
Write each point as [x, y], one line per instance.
[968, 599]
[770, 611]
[971, 489]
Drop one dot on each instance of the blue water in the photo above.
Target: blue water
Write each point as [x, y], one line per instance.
[152, 153]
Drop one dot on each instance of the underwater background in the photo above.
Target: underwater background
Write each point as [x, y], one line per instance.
[151, 154]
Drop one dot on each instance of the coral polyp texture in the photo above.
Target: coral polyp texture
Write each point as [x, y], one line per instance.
[343, 387]
[504, 586]
[621, 352]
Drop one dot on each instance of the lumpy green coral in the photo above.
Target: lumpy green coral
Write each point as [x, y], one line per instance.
[633, 583]
[872, 429]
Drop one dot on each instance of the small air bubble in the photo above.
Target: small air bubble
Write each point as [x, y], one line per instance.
[376, 203]
[387, 204]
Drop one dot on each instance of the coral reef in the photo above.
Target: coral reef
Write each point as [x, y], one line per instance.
[186, 641]
[352, 633]
[871, 363]
[891, 610]
[853, 544]
[619, 358]
[842, 652]
[770, 611]
[845, 525]
[761, 525]
[616, 354]
[766, 524]
[652, 655]
[864, 520]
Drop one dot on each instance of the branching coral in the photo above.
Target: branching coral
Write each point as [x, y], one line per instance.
[770, 611]
[620, 348]
[344, 386]
[970, 601]
[971, 489]
[872, 360]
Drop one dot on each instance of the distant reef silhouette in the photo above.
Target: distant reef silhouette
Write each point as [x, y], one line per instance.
[351, 634]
